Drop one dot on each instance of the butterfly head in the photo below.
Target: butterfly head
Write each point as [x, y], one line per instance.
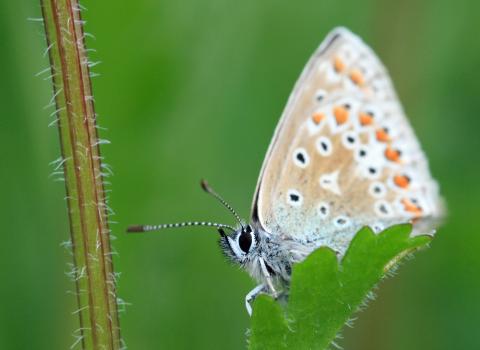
[240, 244]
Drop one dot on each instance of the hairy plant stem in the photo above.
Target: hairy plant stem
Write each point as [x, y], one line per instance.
[87, 209]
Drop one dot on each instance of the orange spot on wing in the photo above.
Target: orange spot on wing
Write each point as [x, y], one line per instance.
[392, 154]
[341, 114]
[411, 207]
[317, 117]
[382, 135]
[338, 64]
[365, 119]
[401, 181]
[357, 77]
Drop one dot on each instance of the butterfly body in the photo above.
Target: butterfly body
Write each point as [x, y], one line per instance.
[343, 156]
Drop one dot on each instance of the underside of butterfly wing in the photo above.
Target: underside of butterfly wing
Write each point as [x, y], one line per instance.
[344, 155]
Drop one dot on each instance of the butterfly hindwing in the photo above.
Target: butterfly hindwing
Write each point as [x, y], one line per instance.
[343, 155]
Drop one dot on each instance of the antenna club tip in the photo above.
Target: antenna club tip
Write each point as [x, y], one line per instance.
[205, 185]
[135, 228]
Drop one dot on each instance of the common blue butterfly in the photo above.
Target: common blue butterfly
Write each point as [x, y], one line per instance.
[343, 156]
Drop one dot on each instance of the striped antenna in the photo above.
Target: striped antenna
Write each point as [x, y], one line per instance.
[148, 228]
[206, 187]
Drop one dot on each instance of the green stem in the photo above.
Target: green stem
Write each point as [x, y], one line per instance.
[94, 275]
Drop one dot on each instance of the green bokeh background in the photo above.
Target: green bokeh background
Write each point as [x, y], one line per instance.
[192, 89]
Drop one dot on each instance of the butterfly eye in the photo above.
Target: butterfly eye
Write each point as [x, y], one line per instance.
[245, 240]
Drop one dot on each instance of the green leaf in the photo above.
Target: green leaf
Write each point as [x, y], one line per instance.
[324, 294]
[270, 326]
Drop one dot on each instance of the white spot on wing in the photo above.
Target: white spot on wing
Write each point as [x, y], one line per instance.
[372, 172]
[350, 139]
[366, 66]
[348, 53]
[320, 95]
[301, 158]
[383, 209]
[361, 154]
[324, 146]
[323, 210]
[294, 198]
[341, 221]
[377, 189]
[330, 182]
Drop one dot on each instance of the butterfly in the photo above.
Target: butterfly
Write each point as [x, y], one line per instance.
[343, 156]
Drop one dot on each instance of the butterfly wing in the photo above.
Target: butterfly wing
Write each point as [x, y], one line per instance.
[343, 155]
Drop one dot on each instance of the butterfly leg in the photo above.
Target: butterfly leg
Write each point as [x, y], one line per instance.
[268, 278]
[251, 296]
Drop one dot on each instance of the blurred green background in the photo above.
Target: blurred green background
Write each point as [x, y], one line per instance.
[192, 89]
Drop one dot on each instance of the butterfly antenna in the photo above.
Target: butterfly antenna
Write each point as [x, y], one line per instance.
[206, 187]
[148, 228]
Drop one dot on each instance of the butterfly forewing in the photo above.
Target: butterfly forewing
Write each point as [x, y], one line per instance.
[343, 155]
